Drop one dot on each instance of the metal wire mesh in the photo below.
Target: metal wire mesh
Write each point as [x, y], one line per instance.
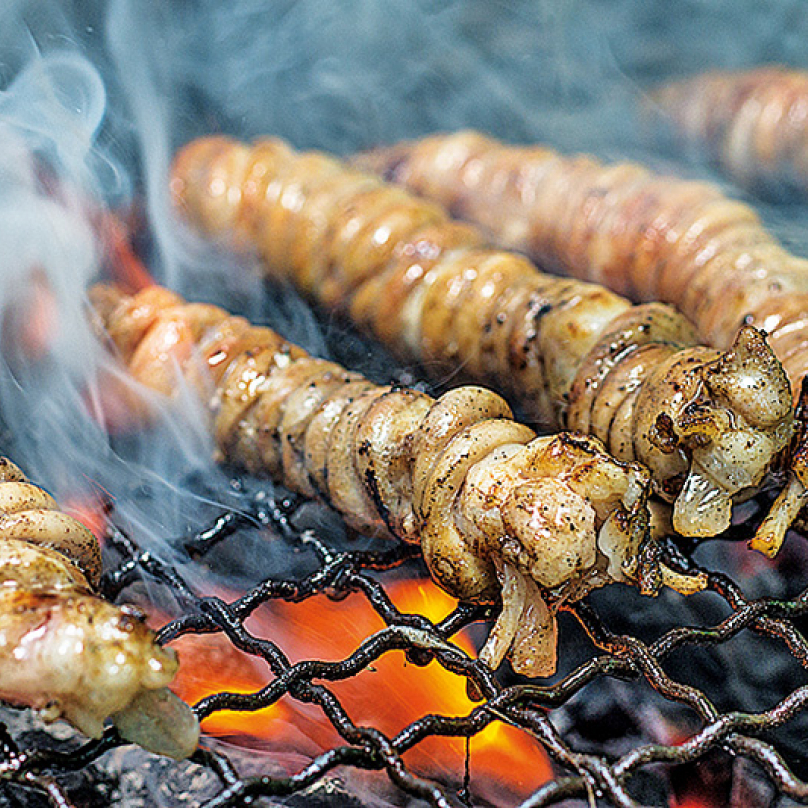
[526, 705]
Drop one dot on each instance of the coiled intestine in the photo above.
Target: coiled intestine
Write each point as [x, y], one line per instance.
[752, 123]
[499, 513]
[649, 236]
[63, 650]
[572, 354]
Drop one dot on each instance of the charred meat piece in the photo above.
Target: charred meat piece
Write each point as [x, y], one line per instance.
[573, 355]
[63, 650]
[499, 513]
[648, 236]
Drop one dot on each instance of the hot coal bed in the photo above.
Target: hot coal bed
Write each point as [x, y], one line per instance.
[667, 701]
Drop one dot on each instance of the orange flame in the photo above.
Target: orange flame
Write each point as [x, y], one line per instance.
[114, 400]
[90, 511]
[124, 264]
[699, 791]
[387, 696]
[33, 319]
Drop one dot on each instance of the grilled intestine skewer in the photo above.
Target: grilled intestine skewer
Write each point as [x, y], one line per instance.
[752, 123]
[573, 355]
[646, 235]
[499, 513]
[65, 651]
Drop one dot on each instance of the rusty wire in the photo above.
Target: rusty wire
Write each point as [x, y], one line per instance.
[525, 705]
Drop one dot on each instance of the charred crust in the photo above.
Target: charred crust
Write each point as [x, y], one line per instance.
[9, 471]
[537, 310]
[372, 488]
[649, 553]
[663, 434]
[697, 419]
[671, 486]
[578, 441]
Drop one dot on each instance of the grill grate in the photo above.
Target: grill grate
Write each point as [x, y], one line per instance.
[529, 706]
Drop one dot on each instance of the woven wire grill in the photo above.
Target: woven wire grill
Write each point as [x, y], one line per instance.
[526, 705]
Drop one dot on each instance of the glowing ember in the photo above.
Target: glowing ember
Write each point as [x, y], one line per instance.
[699, 798]
[692, 802]
[387, 696]
[124, 265]
[91, 513]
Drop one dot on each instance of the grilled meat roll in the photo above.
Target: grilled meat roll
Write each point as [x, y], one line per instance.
[499, 513]
[752, 123]
[642, 234]
[573, 355]
[64, 650]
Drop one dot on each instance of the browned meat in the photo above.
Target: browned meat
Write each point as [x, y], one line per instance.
[573, 354]
[643, 234]
[752, 123]
[498, 512]
[64, 650]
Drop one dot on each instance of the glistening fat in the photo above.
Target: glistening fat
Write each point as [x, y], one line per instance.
[67, 652]
[647, 235]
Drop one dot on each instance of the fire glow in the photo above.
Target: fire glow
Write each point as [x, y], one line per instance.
[387, 696]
